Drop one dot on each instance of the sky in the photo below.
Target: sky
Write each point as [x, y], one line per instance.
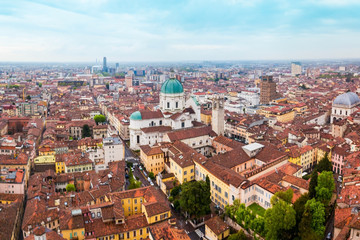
[178, 30]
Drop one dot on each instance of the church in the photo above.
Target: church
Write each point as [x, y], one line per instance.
[344, 105]
[174, 113]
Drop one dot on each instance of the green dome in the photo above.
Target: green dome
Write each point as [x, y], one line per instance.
[135, 116]
[172, 86]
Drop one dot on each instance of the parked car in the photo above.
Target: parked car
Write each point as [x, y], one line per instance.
[149, 179]
[140, 167]
[151, 183]
[328, 235]
[145, 173]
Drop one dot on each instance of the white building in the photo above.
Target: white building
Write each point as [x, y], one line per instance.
[148, 127]
[344, 105]
[113, 150]
[251, 97]
[295, 68]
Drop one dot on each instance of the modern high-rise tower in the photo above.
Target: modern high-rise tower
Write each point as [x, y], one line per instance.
[105, 69]
[295, 68]
[217, 118]
[267, 90]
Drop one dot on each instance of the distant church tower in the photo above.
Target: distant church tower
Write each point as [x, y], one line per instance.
[217, 119]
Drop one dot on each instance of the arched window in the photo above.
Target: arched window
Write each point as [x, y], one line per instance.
[168, 105]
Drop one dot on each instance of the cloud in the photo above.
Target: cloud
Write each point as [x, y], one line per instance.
[335, 3]
[64, 30]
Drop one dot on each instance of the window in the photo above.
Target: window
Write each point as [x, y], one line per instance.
[185, 172]
[177, 104]
[135, 233]
[128, 234]
[160, 122]
[168, 105]
[138, 139]
[155, 218]
[183, 124]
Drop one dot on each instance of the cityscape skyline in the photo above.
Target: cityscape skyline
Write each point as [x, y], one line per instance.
[132, 31]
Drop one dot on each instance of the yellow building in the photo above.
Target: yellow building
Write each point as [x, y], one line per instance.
[77, 233]
[320, 152]
[166, 182]
[132, 205]
[183, 167]
[216, 229]
[300, 108]
[46, 159]
[205, 117]
[304, 157]
[152, 158]
[143, 201]
[281, 113]
[60, 167]
[294, 155]
[219, 184]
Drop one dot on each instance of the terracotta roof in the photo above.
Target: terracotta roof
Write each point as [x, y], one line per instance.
[145, 114]
[217, 225]
[191, 133]
[165, 231]
[156, 129]
[297, 182]
[151, 150]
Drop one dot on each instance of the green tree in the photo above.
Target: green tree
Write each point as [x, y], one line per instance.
[313, 184]
[86, 132]
[258, 225]
[324, 164]
[151, 175]
[40, 84]
[195, 198]
[99, 118]
[107, 85]
[28, 97]
[299, 206]
[325, 187]
[70, 187]
[285, 195]
[279, 220]
[312, 224]
[231, 209]
[239, 236]
[175, 191]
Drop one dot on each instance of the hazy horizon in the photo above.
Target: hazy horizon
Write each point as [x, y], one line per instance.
[140, 31]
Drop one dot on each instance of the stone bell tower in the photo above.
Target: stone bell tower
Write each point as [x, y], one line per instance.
[217, 119]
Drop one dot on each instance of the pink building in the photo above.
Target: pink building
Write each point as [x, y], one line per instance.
[12, 181]
[337, 158]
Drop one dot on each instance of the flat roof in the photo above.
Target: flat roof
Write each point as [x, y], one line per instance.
[253, 146]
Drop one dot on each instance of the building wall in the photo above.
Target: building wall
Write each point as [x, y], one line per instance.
[78, 168]
[13, 188]
[337, 163]
[132, 205]
[209, 234]
[153, 163]
[219, 190]
[70, 234]
[182, 174]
